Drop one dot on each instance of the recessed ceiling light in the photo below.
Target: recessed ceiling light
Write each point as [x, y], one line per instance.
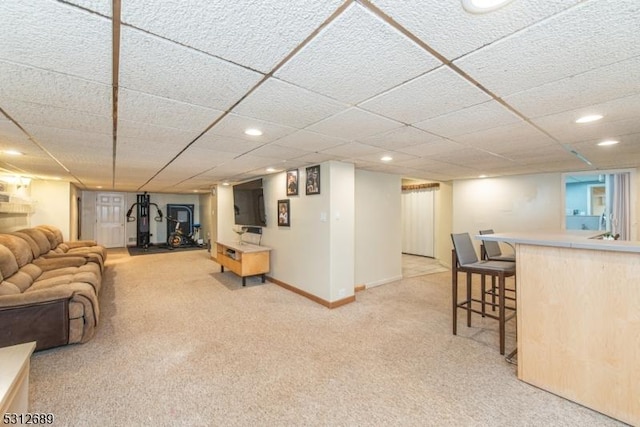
[482, 176]
[270, 170]
[590, 118]
[98, 186]
[608, 142]
[13, 152]
[226, 184]
[253, 132]
[386, 158]
[483, 6]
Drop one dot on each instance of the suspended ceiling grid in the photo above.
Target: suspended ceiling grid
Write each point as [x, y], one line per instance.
[163, 105]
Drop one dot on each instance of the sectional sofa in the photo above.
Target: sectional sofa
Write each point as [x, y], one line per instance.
[49, 288]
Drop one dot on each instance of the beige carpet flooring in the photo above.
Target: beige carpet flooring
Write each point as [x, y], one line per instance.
[180, 344]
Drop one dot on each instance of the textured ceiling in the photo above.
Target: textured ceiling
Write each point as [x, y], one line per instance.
[159, 99]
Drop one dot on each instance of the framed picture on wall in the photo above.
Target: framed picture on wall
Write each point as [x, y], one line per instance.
[313, 180]
[284, 214]
[292, 182]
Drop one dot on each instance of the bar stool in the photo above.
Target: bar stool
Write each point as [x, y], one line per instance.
[465, 260]
[490, 251]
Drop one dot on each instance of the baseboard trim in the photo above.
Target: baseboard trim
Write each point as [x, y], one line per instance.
[383, 281]
[328, 304]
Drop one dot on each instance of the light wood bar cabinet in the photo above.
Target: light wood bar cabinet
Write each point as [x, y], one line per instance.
[244, 259]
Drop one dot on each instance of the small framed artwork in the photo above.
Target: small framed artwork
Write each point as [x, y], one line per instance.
[292, 182]
[313, 180]
[284, 214]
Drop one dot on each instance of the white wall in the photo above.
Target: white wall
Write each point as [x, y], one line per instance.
[224, 215]
[300, 255]
[52, 200]
[342, 230]
[444, 222]
[516, 203]
[316, 252]
[378, 228]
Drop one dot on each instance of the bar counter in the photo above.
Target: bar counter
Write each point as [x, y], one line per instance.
[578, 318]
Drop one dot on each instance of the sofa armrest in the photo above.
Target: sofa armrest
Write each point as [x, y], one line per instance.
[53, 262]
[44, 316]
[80, 243]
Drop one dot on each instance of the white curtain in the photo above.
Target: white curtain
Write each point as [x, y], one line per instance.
[418, 222]
[620, 207]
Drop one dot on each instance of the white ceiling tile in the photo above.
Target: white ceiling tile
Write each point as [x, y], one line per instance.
[591, 35]
[310, 141]
[246, 162]
[276, 151]
[354, 124]
[154, 110]
[234, 126]
[90, 170]
[352, 150]
[399, 138]
[31, 114]
[12, 136]
[618, 111]
[58, 37]
[548, 158]
[66, 143]
[160, 67]
[432, 148]
[433, 94]
[103, 7]
[473, 158]
[195, 160]
[40, 165]
[505, 139]
[280, 102]
[128, 130]
[226, 144]
[258, 34]
[25, 83]
[472, 119]
[374, 158]
[450, 30]
[130, 150]
[625, 154]
[356, 57]
[579, 91]
[315, 158]
[448, 171]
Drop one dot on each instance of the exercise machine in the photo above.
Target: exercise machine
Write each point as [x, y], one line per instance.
[178, 238]
[143, 204]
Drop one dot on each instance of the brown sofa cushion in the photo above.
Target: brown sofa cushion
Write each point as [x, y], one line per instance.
[20, 280]
[39, 238]
[19, 247]
[8, 264]
[7, 288]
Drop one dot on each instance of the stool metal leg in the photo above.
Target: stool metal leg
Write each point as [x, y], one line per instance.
[501, 311]
[454, 291]
[469, 299]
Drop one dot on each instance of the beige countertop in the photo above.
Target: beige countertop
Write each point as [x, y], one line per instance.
[577, 239]
[244, 247]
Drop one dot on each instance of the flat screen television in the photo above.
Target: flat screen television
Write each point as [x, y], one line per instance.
[248, 204]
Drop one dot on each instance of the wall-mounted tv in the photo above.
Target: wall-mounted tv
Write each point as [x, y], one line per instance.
[248, 204]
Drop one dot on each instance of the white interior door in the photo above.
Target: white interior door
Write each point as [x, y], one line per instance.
[110, 217]
[418, 222]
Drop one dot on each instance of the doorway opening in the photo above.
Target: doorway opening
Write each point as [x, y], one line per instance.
[599, 202]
